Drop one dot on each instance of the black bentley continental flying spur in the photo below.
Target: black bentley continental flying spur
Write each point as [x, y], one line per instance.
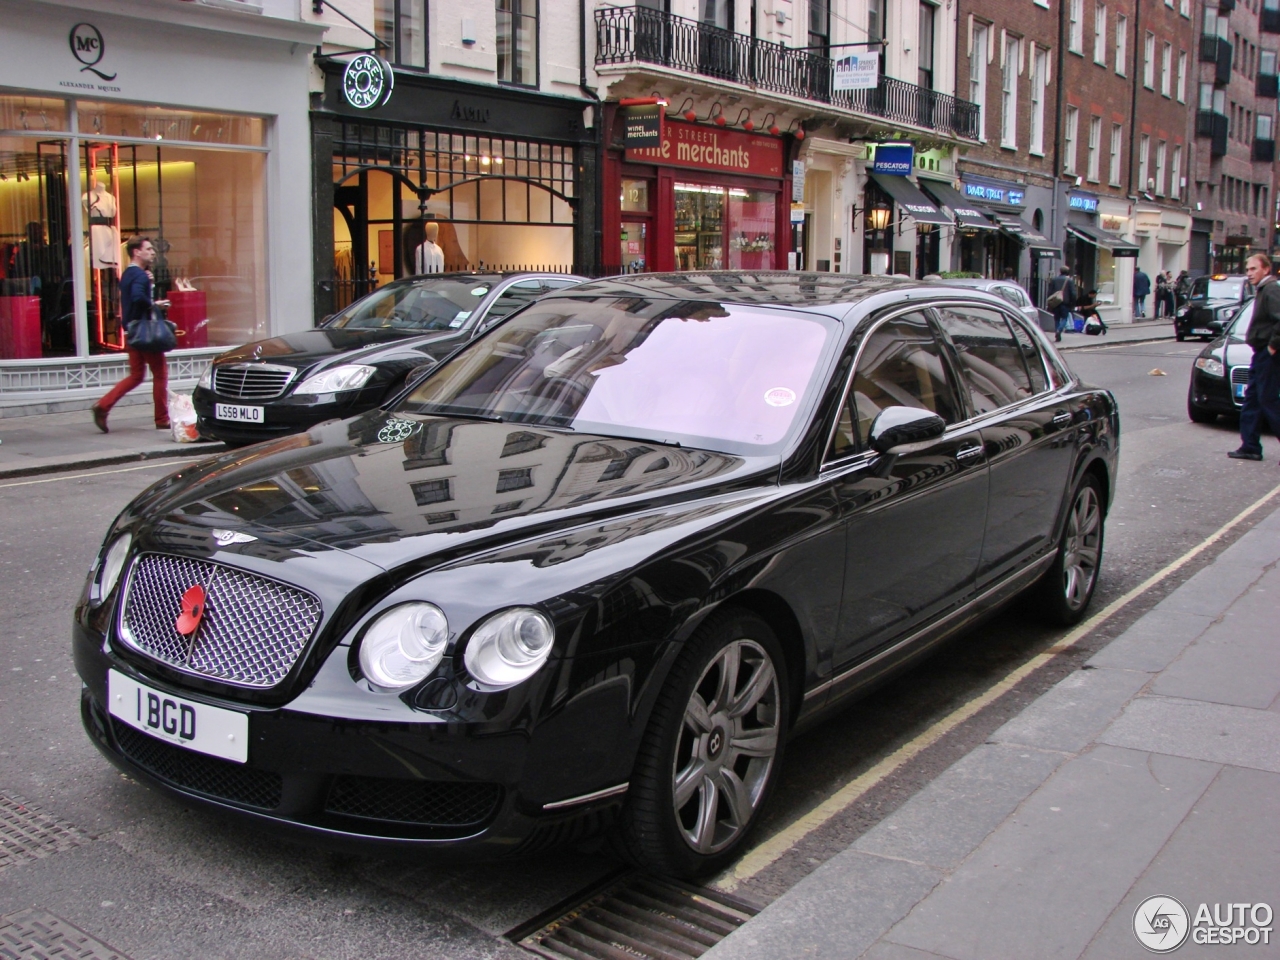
[595, 570]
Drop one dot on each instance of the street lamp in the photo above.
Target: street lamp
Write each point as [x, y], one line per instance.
[879, 215]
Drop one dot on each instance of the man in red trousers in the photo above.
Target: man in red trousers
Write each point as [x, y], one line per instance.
[135, 302]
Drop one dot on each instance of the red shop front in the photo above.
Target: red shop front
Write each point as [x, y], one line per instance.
[707, 199]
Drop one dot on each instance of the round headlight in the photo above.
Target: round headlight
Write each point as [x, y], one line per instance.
[404, 645]
[509, 647]
[113, 564]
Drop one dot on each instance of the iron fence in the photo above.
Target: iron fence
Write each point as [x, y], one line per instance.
[631, 34]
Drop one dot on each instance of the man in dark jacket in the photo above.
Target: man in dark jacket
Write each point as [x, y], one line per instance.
[1141, 290]
[1262, 394]
[1062, 312]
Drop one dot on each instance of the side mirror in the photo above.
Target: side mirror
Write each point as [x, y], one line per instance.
[894, 426]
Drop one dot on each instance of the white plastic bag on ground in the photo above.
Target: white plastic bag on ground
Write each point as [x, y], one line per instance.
[182, 418]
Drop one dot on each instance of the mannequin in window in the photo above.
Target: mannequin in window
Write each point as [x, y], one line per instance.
[429, 257]
[104, 238]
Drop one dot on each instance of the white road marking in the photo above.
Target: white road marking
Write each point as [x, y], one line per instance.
[772, 849]
[103, 473]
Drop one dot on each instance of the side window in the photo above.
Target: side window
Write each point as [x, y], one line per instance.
[549, 285]
[990, 358]
[511, 299]
[901, 366]
[1032, 356]
[1007, 293]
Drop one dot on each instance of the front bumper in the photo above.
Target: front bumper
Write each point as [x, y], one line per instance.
[357, 784]
[1199, 319]
[283, 416]
[1212, 393]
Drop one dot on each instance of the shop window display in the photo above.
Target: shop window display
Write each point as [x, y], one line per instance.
[192, 181]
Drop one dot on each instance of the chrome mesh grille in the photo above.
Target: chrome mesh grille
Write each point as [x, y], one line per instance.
[251, 381]
[253, 631]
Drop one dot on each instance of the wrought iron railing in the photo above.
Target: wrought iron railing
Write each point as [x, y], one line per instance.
[631, 34]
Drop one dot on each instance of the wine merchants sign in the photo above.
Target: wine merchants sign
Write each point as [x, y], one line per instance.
[707, 148]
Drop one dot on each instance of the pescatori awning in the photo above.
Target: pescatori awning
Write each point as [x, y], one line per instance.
[968, 215]
[911, 202]
[1106, 241]
[1025, 234]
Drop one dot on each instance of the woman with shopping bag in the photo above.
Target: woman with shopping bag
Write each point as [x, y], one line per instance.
[148, 335]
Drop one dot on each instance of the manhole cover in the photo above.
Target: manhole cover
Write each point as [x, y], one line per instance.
[36, 935]
[26, 834]
[639, 917]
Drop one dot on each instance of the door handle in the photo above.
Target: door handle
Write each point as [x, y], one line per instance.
[970, 453]
[1063, 419]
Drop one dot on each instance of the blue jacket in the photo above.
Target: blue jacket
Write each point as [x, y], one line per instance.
[135, 294]
[1141, 284]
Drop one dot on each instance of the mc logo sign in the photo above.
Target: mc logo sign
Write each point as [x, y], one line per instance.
[88, 47]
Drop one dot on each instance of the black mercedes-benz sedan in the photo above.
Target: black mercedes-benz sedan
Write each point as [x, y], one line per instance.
[597, 568]
[357, 358]
[1213, 302]
[1221, 372]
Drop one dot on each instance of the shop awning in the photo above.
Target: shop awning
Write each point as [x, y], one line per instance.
[1118, 247]
[968, 215]
[1025, 234]
[910, 200]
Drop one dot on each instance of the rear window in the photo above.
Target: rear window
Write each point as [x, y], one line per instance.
[725, 377]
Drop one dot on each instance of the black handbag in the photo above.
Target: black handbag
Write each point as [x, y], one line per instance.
[152, 333]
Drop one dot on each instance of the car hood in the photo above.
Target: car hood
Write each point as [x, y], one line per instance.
[415, 491]
[307, 347]
[1230, 351]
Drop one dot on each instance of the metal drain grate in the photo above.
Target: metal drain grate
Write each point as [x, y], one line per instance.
[639, 918]
[27, 834]
[36, 935]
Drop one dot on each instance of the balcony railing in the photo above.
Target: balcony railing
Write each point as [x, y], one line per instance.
[640, 34]
[1268, 85]
[1269, 19]
[1214, 126]
[1217, 51]
[1264, 151]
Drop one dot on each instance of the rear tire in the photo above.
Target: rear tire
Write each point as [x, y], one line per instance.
[1064, 592]
[712, 751]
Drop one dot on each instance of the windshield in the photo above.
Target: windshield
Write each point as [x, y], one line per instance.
[721, 376]
[1228, 289]
[417, 305]
[1240, 325]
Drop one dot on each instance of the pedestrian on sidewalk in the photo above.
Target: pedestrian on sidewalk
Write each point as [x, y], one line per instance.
[136, 292]
[1062, 297]
[1182, 290]
[1262, 393]
[1141, 290]
[1088, 308]
[1170, 296]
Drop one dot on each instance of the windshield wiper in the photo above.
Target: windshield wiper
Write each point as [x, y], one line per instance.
[460, 414]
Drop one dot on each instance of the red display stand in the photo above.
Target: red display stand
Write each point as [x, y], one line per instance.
[189, 312]
[20, 328]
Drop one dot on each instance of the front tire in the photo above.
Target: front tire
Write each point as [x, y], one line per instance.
[712, 751]
[1067, 587]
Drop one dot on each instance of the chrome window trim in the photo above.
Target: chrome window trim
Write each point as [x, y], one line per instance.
[1013, 317]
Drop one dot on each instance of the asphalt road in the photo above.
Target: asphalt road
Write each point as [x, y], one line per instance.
[156, 880]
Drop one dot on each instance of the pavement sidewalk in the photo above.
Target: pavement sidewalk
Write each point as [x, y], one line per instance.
[1152, 771]
[1141, 331]
[54, 442]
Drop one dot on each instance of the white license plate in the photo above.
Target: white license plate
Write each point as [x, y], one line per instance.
[231, 411]
[1201, 331]
[1238, 389]
[196, 726]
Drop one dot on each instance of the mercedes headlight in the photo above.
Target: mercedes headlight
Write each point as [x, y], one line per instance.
[112, 565]
[349, 376]
[509, 647]
[1211, 366]
[404, 645]
[206, 378]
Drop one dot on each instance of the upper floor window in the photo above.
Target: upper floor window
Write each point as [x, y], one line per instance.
[1009, 93]
[402, 26]
[820, 26]
[876, 26]
[1182, 76]
[1122, 44]
[1100, 34]
[924, 48]
[1265, 123]
[518, 42]
[1070, 135]
[1149, 61]
[1166, 70]
[1075, 31]
[1039, 79]
[978, 75]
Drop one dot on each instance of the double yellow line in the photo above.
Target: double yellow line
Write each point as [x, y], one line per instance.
[772, 849]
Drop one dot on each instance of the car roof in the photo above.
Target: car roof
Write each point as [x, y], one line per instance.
[773, 287]
[490, 276]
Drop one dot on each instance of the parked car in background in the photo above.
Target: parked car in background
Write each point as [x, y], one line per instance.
[357, 358]
[597, 567]
[1220, 373]
[1011, 293]
[1214, 301]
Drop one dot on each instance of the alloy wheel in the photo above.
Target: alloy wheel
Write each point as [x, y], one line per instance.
[1082, 547]
[727, 747]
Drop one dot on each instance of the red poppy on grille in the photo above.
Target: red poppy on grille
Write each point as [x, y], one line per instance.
[193, 604]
